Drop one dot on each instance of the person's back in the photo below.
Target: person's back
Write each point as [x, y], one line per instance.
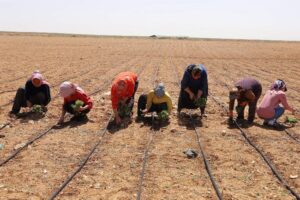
[129, 80]
[271, 100]
[270, 109]
[123, 90]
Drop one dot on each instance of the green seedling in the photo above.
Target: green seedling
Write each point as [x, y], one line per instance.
[37, 109]
[124, 111]
[163, 115]
[200, 102]
[78, 104]
[291, 120]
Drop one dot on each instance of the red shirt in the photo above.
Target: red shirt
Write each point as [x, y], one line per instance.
[79, 95]
[129, 78]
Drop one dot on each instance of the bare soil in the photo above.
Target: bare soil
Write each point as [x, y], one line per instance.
[113, 172]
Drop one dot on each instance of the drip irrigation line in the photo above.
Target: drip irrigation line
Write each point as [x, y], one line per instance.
[146, 152]
[4, 125]
[273, 169]
[145, 159]
[42, 133]
[82, 163]
[6, 91]
[285, 130]
[87, 157]
[206, 162]
[268, 162]
[16, 152]
[292, 136]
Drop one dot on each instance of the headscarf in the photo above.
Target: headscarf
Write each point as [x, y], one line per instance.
[37, 75]
[279, 85]
[67, 88]
[159, 90]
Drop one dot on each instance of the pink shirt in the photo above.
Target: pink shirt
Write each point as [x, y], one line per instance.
[271, 100]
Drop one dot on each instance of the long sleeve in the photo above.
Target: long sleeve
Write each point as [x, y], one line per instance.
[114, 98]
[185, 80]
[47, 94]
[169, 104]
[150, 96]
[204, 83]
[28, 87]
[87, 100]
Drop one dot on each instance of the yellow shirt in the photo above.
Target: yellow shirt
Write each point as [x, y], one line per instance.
[152, 98]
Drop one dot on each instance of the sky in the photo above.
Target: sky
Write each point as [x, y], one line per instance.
[232, 19]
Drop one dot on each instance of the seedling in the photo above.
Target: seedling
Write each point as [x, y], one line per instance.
[124, 111]
[37, 109]
[163, 115]
[200, 102]
[78, 104]
[291, 120]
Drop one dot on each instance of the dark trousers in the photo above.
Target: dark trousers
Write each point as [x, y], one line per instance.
[130, 101]
[184, 101]
[154, 107]
[252, 106]
[68, 108]
[20, 100]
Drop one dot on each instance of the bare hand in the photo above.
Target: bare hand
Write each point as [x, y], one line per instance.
[29, 104]
[61, 120]
[81, 109]
[118, 119]
[199, 94]
[192, 96]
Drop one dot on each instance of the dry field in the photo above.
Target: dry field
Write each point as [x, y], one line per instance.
[114, 169]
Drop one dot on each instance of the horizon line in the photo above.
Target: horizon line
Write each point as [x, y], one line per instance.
[153, 36]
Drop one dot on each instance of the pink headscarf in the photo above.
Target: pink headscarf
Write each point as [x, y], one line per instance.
[37, 75]
[67, 89]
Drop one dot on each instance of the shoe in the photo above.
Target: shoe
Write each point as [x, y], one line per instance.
[239, 120]
[79, 118]
[203, 115]
[230, 121]
[12, 114]
[278, 126]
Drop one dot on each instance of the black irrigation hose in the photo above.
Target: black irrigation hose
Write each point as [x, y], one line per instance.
[146, 152]
[82, 163]
[16, 152]
[86, 158]
[145, 159]
[52, 86]
[44, 132]
[286, 131]
[206, 162]
[4, 125]
[292, 136]
[273, 169]
[6, 91]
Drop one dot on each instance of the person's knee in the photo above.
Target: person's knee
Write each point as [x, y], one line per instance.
[21, 91]
[142, 99]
